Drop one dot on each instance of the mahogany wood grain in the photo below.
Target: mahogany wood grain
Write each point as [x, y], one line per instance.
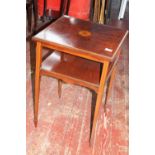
[37, 81]
[69, 79]
[81, 47]
[99, 96]
[109, 85]
[83, 70]
[63, 35]
[59, 87]
[113, 65]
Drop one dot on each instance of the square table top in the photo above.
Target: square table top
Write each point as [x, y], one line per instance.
[83, 36]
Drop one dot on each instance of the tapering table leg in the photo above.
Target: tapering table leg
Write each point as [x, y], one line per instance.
[59, 87]
[37, 81]
[109, 86]
[99, 97]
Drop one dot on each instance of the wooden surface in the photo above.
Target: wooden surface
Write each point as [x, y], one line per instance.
[81, 39]
[99, 97]
[37, 82]
[75, 69]
[64, 34]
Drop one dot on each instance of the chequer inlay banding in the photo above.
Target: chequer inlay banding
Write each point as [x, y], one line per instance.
[84, 33]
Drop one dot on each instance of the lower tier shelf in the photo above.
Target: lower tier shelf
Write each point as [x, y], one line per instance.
[72, 69]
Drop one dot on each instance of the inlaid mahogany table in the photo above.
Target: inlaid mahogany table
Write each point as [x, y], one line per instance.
[84, 53]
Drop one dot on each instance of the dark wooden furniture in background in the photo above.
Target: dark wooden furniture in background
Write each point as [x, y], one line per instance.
[85, 54]
[29, 7]
[46, 19]
[99, 13]
[32, 10]
[64, 8]
[108, 10]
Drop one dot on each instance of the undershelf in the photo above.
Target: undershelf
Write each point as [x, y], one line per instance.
[72, 69]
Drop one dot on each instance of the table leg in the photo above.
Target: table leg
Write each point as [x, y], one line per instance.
[99, 97]
[109, 86]
[59, 87]
[37, 81]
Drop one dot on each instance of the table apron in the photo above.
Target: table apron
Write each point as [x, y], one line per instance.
[77, 52]
[70, 79]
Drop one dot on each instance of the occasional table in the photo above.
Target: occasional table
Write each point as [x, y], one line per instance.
[84, 53]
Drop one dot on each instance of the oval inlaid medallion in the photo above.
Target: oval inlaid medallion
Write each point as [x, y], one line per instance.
[84, 33]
